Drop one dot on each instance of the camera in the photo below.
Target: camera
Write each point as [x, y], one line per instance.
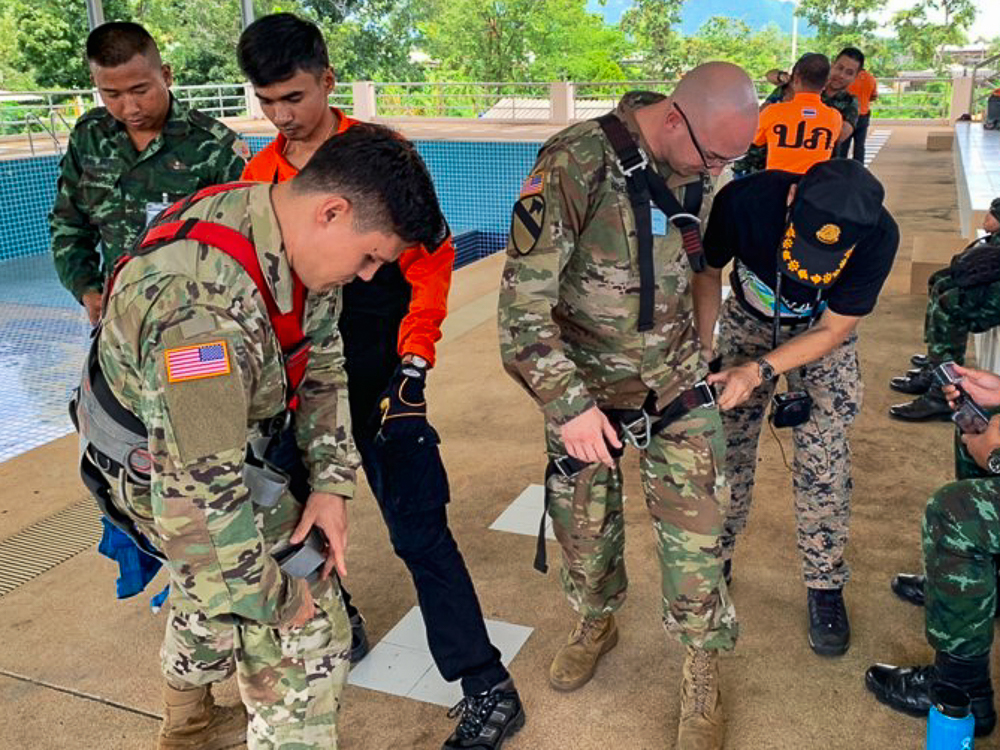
[968, 415]
[790, 409]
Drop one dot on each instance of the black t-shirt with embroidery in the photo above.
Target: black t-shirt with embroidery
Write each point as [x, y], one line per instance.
[747, 223]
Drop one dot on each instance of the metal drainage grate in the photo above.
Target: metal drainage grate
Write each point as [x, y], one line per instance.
[45, 544]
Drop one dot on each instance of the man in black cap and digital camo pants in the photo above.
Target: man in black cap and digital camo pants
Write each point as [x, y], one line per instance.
[810, 254]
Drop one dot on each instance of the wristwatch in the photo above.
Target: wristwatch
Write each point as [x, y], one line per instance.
[993, 462]
[767, 373]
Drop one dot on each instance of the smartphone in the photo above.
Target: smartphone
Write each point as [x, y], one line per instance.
[968, 415]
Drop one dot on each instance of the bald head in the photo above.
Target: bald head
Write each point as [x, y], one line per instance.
[710, 119]
[720, 101]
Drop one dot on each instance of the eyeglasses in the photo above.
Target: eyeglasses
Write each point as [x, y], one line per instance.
[708, 163]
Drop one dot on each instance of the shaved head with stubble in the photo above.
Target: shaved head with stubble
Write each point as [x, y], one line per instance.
[708, 121]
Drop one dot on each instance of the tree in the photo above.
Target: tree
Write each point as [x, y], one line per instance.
[650, 23]
[924, 38]
[732, 40]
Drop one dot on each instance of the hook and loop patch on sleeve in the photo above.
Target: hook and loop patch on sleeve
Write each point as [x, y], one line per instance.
[209, 360]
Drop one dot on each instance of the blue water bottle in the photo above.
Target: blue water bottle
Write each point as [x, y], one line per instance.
[950, 723]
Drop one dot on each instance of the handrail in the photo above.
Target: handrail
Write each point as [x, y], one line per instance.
[975, 73]
[31, 117]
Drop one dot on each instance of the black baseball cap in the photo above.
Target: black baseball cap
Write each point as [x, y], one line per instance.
[837, 203]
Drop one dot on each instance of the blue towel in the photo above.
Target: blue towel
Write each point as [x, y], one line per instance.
[135, 568]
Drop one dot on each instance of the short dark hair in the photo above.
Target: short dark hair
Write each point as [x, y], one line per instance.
[855, 54]
[813, 69]
[385, 179]
[115, 43]
[274, 48]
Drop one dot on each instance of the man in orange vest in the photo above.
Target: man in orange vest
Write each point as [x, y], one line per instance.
[803, 131]
[865, 90]
[389, 327]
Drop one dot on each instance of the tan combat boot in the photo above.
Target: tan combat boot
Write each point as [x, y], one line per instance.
[192, 721]
[575, 663]
[702, 725]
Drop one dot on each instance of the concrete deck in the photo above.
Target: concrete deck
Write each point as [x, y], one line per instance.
[80, 669]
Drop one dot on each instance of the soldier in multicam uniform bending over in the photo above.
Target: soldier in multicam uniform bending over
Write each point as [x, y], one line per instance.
[570, 311]
[129, 159]
[187, 346]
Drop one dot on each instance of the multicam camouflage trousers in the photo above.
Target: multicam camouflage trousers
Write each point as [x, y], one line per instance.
[822, 463]
[961, 536]
[953, 313]
[289, 681]
[686, 496]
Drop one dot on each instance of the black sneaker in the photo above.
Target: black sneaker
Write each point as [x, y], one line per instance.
[359, 638]
[829, 630]
[487, 719]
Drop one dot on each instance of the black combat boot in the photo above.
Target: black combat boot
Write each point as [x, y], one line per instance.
[829, 630]
[932, 406]
[486, 719]
[920, 360]
[914, 382]
[907, 689]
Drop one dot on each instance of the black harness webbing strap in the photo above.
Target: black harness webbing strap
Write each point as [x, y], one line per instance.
[643, 185]
[635, 426]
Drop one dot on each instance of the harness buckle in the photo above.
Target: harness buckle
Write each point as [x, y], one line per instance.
[687, 218]
[629, 170]
[706, 392]
[564, 470]
[638, 432]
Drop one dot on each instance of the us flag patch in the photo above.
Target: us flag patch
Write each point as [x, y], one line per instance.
[533, 185]
[200, 361]
[808, 112]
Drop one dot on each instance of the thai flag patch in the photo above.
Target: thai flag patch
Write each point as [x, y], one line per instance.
[533, 185]
[200, 361]
[808, 112]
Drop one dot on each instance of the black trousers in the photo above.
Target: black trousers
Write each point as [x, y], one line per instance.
[858, 138]
[408, 480]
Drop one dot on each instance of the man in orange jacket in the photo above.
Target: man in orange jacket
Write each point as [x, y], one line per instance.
[389, 327]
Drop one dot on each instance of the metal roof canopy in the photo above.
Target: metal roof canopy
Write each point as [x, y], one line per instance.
[95, 13]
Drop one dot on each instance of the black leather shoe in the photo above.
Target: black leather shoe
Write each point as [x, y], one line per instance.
[931, 407]
[829, 629]
[909, 588]
[902, 689]
[914, 382]
[727, 572]
[486, 719]
[359, 638]
[907, 689]
[919, 360]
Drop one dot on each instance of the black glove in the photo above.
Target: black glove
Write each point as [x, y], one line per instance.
[402, 407]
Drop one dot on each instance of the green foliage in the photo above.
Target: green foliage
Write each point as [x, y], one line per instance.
[652, 24]
[923, 38]
[732, 40]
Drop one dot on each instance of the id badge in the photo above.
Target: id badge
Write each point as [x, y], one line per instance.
[153, 210]
[660, 224]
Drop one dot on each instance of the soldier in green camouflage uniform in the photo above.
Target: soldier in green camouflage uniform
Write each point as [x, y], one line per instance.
[961, 539]
[953, 312]
[233, 609]
[108, 186]
[568, 334]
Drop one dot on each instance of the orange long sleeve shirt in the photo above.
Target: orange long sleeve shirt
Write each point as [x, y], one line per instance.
[427, 273]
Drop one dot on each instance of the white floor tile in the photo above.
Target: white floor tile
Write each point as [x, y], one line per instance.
[523, 515]
[401, 664]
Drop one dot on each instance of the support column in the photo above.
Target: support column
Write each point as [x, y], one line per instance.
[562, 104]
[95, 13]
[961, 98]
[246, 12]
[363, 93]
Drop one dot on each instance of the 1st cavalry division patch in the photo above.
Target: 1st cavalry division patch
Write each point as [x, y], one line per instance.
[526, 224]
